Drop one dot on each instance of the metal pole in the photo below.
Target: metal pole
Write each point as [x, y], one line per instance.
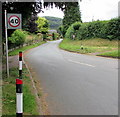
[7, 63]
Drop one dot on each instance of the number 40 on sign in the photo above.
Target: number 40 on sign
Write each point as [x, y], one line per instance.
[14, 21]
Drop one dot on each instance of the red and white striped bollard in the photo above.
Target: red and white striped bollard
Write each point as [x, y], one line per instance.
[19, 94]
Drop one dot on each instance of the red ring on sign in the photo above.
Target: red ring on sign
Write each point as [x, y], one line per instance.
[18, 21]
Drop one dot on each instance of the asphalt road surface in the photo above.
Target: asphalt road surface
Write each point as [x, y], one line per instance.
[76, 84]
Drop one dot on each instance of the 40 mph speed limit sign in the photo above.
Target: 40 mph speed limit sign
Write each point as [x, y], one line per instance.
[14, 21]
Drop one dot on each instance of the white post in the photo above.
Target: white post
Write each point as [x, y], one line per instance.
[7, 63]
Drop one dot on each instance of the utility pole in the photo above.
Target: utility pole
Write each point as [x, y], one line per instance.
[7, 63]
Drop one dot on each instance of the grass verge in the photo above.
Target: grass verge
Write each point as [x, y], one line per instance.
[16, 51]
[95, 45]
[115, 54]
[9, 94]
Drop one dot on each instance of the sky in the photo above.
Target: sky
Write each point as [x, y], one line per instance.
[90, 10]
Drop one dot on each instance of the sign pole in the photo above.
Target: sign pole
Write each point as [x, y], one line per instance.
[7, 63]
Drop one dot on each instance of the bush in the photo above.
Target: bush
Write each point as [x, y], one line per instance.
[72, 30]
[17, 38]
[82, 32]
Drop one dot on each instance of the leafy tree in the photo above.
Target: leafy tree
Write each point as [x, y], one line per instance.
[61, 30]
[32, 9]
[71, 14]
[32, 25]
[43, 25]
[25, 8]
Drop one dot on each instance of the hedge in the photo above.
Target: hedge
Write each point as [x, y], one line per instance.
[96, 29]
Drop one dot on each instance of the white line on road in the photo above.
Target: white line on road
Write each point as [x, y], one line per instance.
[81, 63]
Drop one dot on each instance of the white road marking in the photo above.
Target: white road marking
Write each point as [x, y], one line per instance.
[81, 63]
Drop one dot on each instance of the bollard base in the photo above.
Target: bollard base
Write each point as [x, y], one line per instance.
[19, 115]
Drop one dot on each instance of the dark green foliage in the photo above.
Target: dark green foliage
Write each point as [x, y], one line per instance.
[31, 24]
[72, 30]
[71, 15]
[83, 32]
[54, 22]
[113, 29]
[96, 29]
[53, 36]
[25, 8]
[76, 26]
[61, 30]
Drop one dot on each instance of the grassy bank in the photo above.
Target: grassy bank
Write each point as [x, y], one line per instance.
[96, 45]
[9, 88]
[16, 51]
[9, 94]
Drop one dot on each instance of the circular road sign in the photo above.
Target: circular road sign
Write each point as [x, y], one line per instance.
[14, 21]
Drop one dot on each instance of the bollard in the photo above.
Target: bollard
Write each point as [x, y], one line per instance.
[19, 94]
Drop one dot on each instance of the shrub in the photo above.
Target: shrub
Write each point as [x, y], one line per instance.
[72, 30]
[17, 38]
[83, 32]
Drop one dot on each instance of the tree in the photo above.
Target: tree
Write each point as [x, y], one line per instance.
[71, 15]
[32, 8]
[61, 30]
[32, 25]
[43, 25]
[25, 8]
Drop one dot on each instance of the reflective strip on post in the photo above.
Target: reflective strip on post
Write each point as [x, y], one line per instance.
[20, 65]
[19, 102]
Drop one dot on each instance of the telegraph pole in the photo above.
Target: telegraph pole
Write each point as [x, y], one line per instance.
[7, 63]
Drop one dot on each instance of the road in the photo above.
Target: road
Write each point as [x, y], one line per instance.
[76, 84]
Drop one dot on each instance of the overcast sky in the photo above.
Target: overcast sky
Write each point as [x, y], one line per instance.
[90, 10]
